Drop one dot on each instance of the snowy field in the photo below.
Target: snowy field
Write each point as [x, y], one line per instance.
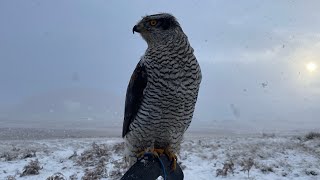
[243, 157]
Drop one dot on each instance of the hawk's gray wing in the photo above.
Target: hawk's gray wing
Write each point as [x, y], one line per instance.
[134, 96]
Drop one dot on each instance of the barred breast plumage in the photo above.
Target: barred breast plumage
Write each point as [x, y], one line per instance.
[163, 89]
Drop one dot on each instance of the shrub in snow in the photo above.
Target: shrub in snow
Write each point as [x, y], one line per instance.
[268, 135]
[10, 178]
[6, 156]
[311, 172]
[97, 172]
[246, 165]
[118, 148]
[264, 168]
[73, 177]
[96, 160]
[228, 166]
[92, 156]
[74, 155]
[31, 169]
[57, 176]
[17, 153]
[312, 135]
[28, 154]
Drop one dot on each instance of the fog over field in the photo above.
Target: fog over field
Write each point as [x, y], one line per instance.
[66, 64]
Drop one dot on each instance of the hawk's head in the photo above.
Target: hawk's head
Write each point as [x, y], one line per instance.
[158, 27]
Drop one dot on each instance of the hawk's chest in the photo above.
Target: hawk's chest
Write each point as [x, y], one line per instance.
[166, 73]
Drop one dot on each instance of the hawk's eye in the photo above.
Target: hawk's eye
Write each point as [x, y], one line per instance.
[153, 22]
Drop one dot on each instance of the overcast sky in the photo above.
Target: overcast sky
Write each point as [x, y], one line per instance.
[253, 57]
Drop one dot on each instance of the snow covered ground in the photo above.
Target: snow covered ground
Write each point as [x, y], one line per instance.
[266, 157]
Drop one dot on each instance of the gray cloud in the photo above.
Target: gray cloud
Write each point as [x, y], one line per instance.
[48, 47]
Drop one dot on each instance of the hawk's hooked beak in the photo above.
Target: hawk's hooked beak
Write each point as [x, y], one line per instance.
[135, 29]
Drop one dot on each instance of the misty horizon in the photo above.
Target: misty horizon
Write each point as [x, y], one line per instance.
[67, 64]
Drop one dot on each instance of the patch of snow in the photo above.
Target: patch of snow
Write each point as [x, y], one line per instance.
[200, 158]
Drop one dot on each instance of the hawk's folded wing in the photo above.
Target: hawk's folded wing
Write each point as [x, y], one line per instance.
[134, 96]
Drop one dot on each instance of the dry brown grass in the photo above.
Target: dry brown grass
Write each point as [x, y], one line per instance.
[28, 154]
[7, 156]
[265, 169]
[31, 169]
[10, 178]
[73, 177]
[57, 176]
[97, 172]
[91, 157]
[312, 135]
[228, 166]
[97, 157]
[311, 173]
[17, 153]
[246, 165]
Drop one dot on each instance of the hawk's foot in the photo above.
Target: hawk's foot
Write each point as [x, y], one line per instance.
[158, 152]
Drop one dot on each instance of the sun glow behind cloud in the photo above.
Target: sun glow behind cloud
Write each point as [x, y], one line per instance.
[311, 66]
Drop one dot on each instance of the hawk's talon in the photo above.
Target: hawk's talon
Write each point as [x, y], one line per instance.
[172, 157]
[174, 165]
